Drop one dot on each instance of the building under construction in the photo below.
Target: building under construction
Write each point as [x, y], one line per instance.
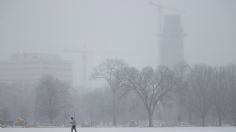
[171, 41]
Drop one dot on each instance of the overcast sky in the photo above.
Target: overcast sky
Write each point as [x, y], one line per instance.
[127, 28]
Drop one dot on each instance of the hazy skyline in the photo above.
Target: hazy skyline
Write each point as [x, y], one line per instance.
[127, 27]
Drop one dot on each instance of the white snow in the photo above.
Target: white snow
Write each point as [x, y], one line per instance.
[163, 129]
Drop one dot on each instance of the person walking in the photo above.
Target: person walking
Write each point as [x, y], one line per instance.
[73, 124]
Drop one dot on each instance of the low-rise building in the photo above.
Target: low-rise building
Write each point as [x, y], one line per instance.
[30, 67]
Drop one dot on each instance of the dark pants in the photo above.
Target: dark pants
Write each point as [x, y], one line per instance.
[73, 128]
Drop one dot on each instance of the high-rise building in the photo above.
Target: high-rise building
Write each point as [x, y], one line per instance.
[28, 68]
[171, 41]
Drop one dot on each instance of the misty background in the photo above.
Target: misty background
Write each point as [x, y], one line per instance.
[101, 61]
[125, 29]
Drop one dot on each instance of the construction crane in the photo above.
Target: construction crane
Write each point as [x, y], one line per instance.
[160, 10]
[85, 53]
[84, 58]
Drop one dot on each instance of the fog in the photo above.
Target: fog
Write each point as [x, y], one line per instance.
[124, 29]
[116, 29]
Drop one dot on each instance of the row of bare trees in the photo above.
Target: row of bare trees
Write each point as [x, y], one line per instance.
[198, 92]
[210, 92]
[197, 95]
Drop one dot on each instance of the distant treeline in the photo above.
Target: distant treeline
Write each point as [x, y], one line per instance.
[198, 95]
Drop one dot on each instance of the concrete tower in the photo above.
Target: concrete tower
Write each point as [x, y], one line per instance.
[171, 41]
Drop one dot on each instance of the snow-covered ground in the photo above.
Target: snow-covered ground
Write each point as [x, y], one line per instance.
[170, 129]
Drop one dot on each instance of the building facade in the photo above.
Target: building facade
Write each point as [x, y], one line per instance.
[30, 67]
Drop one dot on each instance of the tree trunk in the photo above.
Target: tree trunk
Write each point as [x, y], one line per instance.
[114, 123]
[203, 120]
[219, 119]
[150, 120]
[51, 119]
[190, 117]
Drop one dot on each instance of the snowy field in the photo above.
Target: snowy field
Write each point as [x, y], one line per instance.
[170, 129]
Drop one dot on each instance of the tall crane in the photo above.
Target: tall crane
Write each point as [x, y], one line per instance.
[160, 8]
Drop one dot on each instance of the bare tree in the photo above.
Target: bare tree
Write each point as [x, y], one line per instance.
[231, 87]
[106, 71]
[201, 82]
[219, 92]
[50, 98]
[181, 70]
[151, 86]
